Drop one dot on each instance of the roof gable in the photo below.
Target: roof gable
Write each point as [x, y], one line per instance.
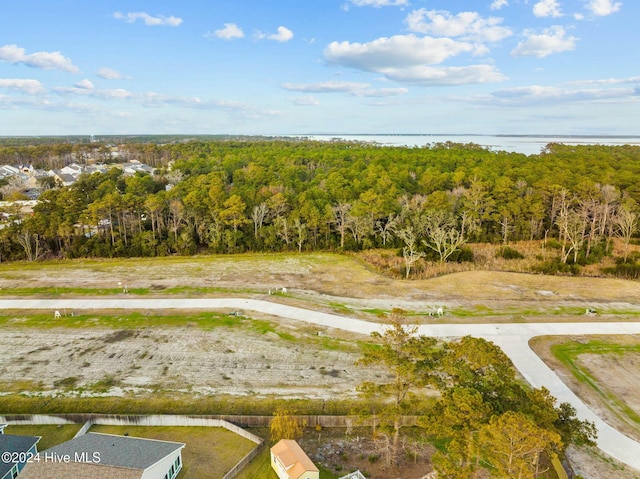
[293, 458]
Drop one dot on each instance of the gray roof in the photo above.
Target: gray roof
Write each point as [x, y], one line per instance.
[77, 470]
[14, 443]
[120, 451]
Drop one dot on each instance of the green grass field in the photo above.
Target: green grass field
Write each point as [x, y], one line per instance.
[209, 452]
[51, 435]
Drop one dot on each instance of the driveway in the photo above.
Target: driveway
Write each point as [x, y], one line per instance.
[512, 338]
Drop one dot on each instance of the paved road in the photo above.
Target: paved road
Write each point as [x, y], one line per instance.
[512, 338]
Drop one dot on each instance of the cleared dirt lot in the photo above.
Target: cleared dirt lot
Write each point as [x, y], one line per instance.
[616, 388]
[289, 362]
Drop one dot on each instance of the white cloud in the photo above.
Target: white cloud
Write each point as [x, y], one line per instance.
[379, 3]
[109, 74]
[353, 88]
[551, 40]
[45, 60]
[547, 8]
[283, 35]
[442, 76]
[608, 81]
[467, 25]
[306, 100]
[85, 84]
[498, 4]
[397, 51]
[229, 32]
[151, 21]
[408, 58]
[31, 87]
[602, 8]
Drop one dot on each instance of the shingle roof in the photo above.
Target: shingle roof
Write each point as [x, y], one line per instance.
[14, 443]
[293, 458]
[77, 470]
[120, 451]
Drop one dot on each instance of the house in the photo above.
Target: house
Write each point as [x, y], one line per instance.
[17, 449]
[290, 461]
[97, 456]
[64, 179]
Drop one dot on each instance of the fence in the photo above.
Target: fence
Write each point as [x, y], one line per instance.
[174, 420]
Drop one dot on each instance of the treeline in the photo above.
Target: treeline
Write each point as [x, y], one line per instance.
[235, 196]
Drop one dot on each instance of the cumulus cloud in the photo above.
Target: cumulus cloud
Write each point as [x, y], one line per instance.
[467, 25]
[283, 35]
[397, 51]
[149, 20]
[45, 60]
[408, 58]
[498, 4]
[30, 87]
[109, 74]
[379, 3]
[551, 40]
[547, 8]
[353, 88]
[85, 84]
[602, 8]
[230, 31]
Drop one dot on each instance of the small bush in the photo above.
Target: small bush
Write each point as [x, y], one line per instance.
[462, 255]
[557, 267]
[507, 252]
[553, 244]
[624, 270]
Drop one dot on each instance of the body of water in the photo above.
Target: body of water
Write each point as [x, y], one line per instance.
[528, 145]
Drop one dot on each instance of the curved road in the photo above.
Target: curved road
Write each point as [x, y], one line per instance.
[512, 338]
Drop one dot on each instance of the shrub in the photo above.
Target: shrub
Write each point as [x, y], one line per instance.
[557, 267]
[507, 252]
[624, 270]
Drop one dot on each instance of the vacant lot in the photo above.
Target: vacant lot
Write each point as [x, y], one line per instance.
[252, 358]
[602, 371]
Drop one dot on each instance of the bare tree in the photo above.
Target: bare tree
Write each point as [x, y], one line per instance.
[385, 227]
[258, 216]
[626, 221]
[341, 214]
[301, 232]
[410, 251]
[30, 244]
[443, 234]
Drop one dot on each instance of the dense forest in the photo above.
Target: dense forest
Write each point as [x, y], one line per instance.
[232, 195]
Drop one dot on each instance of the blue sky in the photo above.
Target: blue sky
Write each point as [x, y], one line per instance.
[299, 67]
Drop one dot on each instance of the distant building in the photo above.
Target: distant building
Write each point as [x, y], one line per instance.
[106, 456]
[19, 449]
[290, 461]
